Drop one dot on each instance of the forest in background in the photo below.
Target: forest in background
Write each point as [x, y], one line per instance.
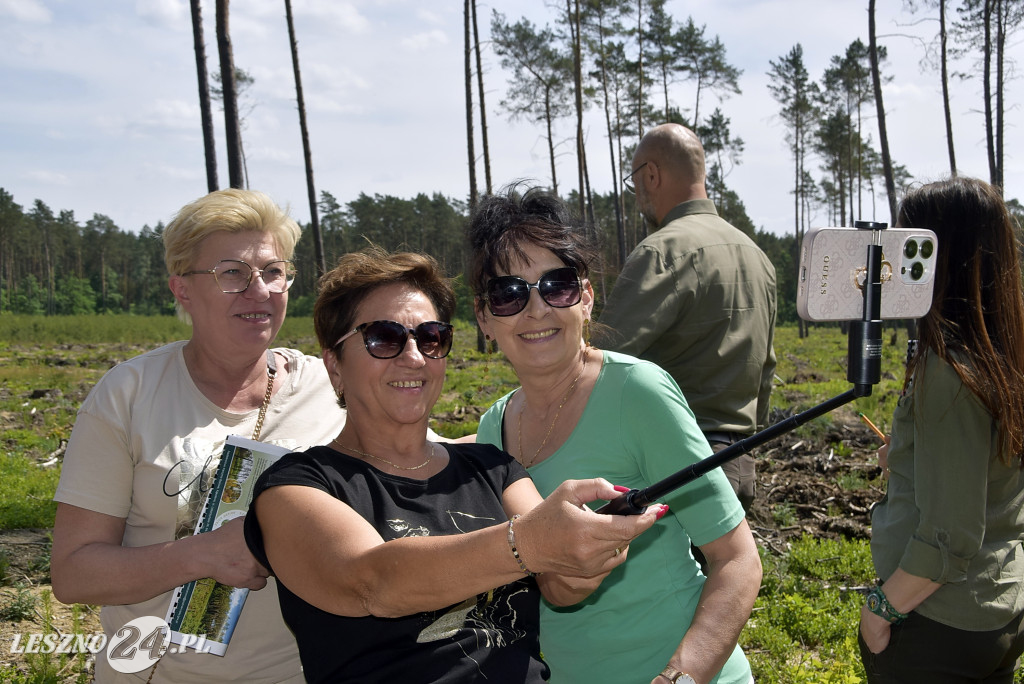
[58, 266]
[621, 57]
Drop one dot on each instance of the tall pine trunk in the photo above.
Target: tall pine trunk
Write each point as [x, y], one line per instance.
[307, 155]
[205, 111]
[1001, 10]
[489, 188]
[987, 90]
[883, 136]
[232, 130]
[573, 18]
[467, 10]
[944, 67]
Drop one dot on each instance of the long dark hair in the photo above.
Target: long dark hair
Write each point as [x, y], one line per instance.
[976, 322]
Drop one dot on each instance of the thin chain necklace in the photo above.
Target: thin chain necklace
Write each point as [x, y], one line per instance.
[271, 372]
[430, 456]
[554, 420]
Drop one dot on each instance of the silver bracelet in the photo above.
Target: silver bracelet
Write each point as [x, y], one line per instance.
[512, 545]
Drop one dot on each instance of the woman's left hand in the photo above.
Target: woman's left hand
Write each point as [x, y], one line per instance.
[875, 630]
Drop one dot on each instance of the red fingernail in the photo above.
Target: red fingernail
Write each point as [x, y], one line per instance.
[620, 489]
[660, 514]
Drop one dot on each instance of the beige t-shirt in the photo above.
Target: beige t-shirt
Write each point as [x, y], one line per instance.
[144, 447]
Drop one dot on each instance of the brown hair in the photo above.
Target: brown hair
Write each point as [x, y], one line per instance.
[357, 274]
[976, 322]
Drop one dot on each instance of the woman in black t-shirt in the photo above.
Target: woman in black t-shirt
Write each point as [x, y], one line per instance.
[401, 559]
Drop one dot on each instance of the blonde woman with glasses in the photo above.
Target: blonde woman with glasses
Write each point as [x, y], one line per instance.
[150, 434]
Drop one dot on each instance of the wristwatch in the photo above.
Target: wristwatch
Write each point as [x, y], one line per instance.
[676, 677]
[878, 604]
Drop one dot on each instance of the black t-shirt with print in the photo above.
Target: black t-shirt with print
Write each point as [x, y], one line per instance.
[491, 637]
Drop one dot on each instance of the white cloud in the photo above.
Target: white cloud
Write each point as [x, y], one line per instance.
[28, 11]
[429, 16]
[290, 156]
[317, 102]
[48, 177]
[112, 84]
[343, 15]
[425, 41]
[155, 119]
[169, 13]
[169, 172]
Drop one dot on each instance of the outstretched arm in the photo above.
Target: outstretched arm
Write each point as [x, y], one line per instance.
[331, 557]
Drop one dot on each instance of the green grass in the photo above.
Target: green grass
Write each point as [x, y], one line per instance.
[91, 329]
[17, 603]
[803, 628]
[26, 493]
[46, 667]
[814, 368]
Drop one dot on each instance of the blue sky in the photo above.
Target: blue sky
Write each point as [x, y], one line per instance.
[99, 111]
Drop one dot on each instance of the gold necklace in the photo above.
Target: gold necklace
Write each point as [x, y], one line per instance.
[271, 372]
[554, 420]
[430, 456]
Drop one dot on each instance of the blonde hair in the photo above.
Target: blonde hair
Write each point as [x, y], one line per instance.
[231, 211]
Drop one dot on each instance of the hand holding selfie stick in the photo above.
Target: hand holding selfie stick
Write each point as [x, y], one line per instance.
[864, 351]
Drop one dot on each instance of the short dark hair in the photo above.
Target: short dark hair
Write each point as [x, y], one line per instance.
[357, 274]
[503, 223]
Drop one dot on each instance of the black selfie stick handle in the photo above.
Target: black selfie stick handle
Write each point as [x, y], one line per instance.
[635, 501]
[864, 349]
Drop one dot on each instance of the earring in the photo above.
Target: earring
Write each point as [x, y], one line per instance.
[586, 331]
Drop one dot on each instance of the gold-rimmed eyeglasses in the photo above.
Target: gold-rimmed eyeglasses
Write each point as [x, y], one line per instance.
[627, 182]
[234, 276]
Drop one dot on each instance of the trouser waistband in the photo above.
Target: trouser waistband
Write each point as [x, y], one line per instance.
[724, 437]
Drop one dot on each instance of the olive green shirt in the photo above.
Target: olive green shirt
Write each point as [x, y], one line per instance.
[953, 511]
[697, 297]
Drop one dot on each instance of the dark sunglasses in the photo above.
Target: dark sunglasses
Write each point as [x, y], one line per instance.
[386, 339]
[508, 295]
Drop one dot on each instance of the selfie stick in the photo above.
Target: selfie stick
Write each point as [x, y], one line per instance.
[864, 351]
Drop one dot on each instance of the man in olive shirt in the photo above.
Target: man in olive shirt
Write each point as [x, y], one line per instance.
[697, 297]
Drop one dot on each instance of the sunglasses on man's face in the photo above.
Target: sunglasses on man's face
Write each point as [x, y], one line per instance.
[508, 295]
[386, 339]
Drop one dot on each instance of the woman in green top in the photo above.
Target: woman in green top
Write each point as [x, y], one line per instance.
[947, 537]
[584, 412]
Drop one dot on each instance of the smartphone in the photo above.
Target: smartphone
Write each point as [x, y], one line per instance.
[833, 265]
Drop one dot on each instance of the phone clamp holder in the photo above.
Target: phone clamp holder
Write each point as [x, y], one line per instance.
[864, 352]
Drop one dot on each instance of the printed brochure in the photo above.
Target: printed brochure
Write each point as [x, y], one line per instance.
[203, 613]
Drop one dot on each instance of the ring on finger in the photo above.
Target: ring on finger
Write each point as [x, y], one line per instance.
[617, 551]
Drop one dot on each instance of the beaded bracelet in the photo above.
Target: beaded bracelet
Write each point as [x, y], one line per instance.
[878, 603]
[512, 545]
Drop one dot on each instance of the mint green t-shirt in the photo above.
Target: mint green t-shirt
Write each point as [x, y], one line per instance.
[636, 429]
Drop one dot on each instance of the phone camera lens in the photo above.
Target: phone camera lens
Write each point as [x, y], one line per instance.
[910, 249]
[926, 249]
[917, 270]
